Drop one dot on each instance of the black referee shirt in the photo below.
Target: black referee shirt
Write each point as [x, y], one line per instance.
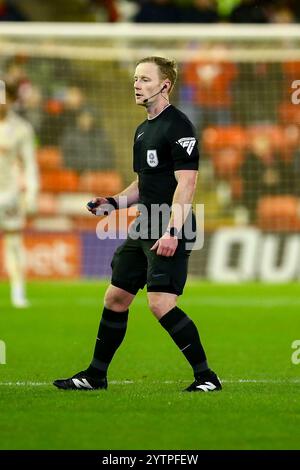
[163, 145]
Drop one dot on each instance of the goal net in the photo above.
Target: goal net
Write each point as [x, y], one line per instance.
[240, 86]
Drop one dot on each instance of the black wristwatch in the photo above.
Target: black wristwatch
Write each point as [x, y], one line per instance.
[112, 201]
[172, 231]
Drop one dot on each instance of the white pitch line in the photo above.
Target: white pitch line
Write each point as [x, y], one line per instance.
[131, 382]
[200, 301]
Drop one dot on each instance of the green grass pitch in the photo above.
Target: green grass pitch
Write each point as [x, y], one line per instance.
[247, 331]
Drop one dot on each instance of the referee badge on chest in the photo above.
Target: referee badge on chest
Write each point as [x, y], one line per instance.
[152, 158]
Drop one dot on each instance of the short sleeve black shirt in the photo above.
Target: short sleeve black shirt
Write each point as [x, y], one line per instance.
[163, 145]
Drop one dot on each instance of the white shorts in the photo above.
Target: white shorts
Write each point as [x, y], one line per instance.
[12, 214]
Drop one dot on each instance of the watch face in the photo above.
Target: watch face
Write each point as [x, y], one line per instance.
[173, 232]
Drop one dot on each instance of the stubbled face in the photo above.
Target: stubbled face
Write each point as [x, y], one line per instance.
[147, 82]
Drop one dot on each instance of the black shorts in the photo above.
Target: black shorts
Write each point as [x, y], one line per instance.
[134, 266]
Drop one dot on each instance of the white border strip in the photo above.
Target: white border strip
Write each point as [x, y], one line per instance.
[226, 32]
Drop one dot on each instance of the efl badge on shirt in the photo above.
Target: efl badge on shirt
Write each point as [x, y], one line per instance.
[188, 143]
[152, 159]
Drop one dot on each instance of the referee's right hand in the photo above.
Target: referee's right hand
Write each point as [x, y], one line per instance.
[95, 206]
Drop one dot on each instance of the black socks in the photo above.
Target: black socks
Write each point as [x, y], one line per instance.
[180, 327]
[185, 334]
[111, 333]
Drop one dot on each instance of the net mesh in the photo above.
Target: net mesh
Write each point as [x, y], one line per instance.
[242, 96]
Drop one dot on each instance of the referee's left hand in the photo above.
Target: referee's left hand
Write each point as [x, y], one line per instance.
[166, 245]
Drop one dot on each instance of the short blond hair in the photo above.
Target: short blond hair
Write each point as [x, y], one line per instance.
[167, 67]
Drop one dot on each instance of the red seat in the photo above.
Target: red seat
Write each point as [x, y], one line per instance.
[57, 181]
[216, 138]
[279, 213]
[53, 106]
[103, 183]
[292, 69]
[49, 158]
[289, 113]
[275, 134]
[227, 161]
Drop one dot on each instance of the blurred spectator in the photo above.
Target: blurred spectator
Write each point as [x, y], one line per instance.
[29, 97]
[52, 123]
[226, 7]
[200, 11]
[86, 146]
[158, 11]
[264, 173]
[10, 12]
[74, 102]
[282, 14]
[52, 76]
[127, 10]
[206, 95]
[15, 73]
[250, 11]
[60, 114]
[106, 10]
[30, 105]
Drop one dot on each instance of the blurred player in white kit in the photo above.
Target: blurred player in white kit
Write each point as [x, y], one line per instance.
[19, 184]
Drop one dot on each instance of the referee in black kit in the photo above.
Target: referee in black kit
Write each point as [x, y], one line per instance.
[155, 253]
